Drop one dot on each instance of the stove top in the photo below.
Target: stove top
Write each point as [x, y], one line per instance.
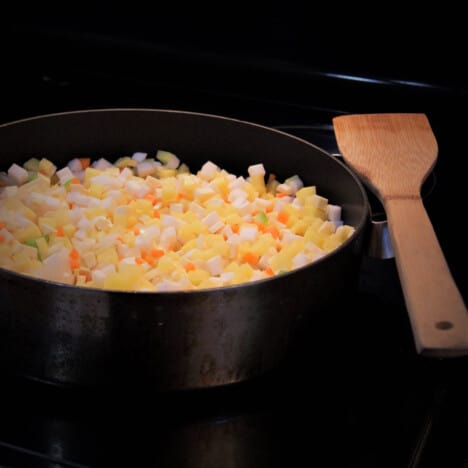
[372, 402]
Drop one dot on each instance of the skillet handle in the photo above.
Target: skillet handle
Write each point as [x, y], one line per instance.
[438, 315]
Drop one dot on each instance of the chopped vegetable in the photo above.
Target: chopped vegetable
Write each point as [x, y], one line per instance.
[149, 224]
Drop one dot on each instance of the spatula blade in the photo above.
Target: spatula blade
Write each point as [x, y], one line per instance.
[392, 154]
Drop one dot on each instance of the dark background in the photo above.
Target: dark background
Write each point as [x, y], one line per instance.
[277, 51]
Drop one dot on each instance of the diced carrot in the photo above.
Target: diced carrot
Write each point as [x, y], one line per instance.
[85, 162]
[60, 232]
[146, 257]
[151, 198]
[235, 228]
[273, 230]
[189, 266]
[156, 214]
[139, 260]
[282, 217]
[250, 257]
[75, 181]
[74, 253]
[74, 258]
[156, 253]
[261, 227]
[269, 208]
[136, 231]
[281, 195]
[270, 272]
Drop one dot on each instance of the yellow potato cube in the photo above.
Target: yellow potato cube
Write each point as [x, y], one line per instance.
[30, 231]
[313, 235]
[305, 192]
[142, 206]
[190, 231]
[127, 277]
[92, 213]
[40, 184]
[294, 247]
[90, 172]
[197, 276]
[188, 245]
[280, 262]
[311, 212]
[318, 201]
[96, 190]
[222, 185]
[242, 274]
[344, 232]
[167, 265]
[331, 242]
[169, 189]
[107, 256]
[125, 161]
[16, 205]
[258, 183]
[69, 229]
[165, 173]
[299, 227]
[55, 240]
[252, 192]
[42, 247]
[47, 167]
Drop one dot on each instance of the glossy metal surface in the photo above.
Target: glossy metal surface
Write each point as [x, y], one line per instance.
[175, 340]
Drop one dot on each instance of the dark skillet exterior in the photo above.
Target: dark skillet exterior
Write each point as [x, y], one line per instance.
[173, 340]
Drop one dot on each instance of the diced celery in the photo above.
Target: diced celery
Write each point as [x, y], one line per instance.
[170, 160]
[32, 165]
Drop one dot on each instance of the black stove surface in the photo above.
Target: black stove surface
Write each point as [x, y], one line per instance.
[361, 397]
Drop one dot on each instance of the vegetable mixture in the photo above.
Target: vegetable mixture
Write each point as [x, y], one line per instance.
[149, 224]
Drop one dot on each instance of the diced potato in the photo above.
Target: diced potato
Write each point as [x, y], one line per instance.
[30, 231]
[141, 224]
[197, 276]
[126, 278]
[47, 167]
[258, 183]
[107, 256]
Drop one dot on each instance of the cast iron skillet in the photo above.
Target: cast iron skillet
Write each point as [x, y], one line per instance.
[75, 336]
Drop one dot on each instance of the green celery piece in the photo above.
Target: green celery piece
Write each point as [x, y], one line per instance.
[31, 242]
[261, 217]
[32, 165]
[168, 159]
[67, 184]
[32, 176]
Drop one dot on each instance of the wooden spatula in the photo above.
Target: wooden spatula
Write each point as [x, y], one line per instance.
[393, 154]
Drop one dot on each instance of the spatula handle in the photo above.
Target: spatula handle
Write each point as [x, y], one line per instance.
[438, 315]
